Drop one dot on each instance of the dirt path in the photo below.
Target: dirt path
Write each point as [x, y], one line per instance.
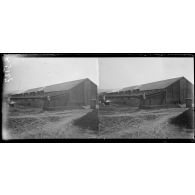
[45, 125]
[114, 123]
[142, 124]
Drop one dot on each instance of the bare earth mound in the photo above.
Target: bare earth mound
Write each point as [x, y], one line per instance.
[186, 119]
[89, 121]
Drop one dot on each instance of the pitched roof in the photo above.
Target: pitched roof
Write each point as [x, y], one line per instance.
[63, 86]
[154, 85]
[34, 89]
[57, 87]
[13, 92]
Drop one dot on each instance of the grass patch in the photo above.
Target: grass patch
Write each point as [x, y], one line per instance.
[19, 125]
[89, 121]
[53, 118]
[15, 111]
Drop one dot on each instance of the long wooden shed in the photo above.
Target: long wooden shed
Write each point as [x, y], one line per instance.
[165, 92]
[68, 94]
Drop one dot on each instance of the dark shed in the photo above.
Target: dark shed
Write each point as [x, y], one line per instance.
[68, 94]
[165, 92]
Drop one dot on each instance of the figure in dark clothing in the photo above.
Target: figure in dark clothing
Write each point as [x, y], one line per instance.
[46, 102]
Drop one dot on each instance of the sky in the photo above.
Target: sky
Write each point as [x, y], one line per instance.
[107, 73]
[27, 73]
[117, 73]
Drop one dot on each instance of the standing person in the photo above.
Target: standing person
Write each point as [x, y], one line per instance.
[46, 102]
[142, 99]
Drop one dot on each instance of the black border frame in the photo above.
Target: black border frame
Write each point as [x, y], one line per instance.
[94, 55]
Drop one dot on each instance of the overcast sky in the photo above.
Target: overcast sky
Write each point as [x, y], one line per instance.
[29, 73]
[108, 73]
[117, 73]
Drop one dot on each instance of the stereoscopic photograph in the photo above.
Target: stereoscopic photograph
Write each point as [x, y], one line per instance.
[97, 97]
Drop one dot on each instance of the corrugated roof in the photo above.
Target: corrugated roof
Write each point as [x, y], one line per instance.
[154, 85]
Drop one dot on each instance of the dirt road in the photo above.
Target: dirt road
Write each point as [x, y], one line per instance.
[136, 123]
[43, 125]
[114, 122]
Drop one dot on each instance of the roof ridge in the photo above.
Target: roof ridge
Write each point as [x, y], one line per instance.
[159, 81]
[66, 82]
[54, 84]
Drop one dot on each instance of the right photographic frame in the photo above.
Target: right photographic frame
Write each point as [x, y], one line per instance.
[148, 97]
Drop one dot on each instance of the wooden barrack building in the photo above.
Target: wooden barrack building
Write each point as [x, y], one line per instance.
[68, 94]
[166, 92]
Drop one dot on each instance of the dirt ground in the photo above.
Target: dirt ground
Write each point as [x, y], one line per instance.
[31, 123]
[129, 122]
[114, 122]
